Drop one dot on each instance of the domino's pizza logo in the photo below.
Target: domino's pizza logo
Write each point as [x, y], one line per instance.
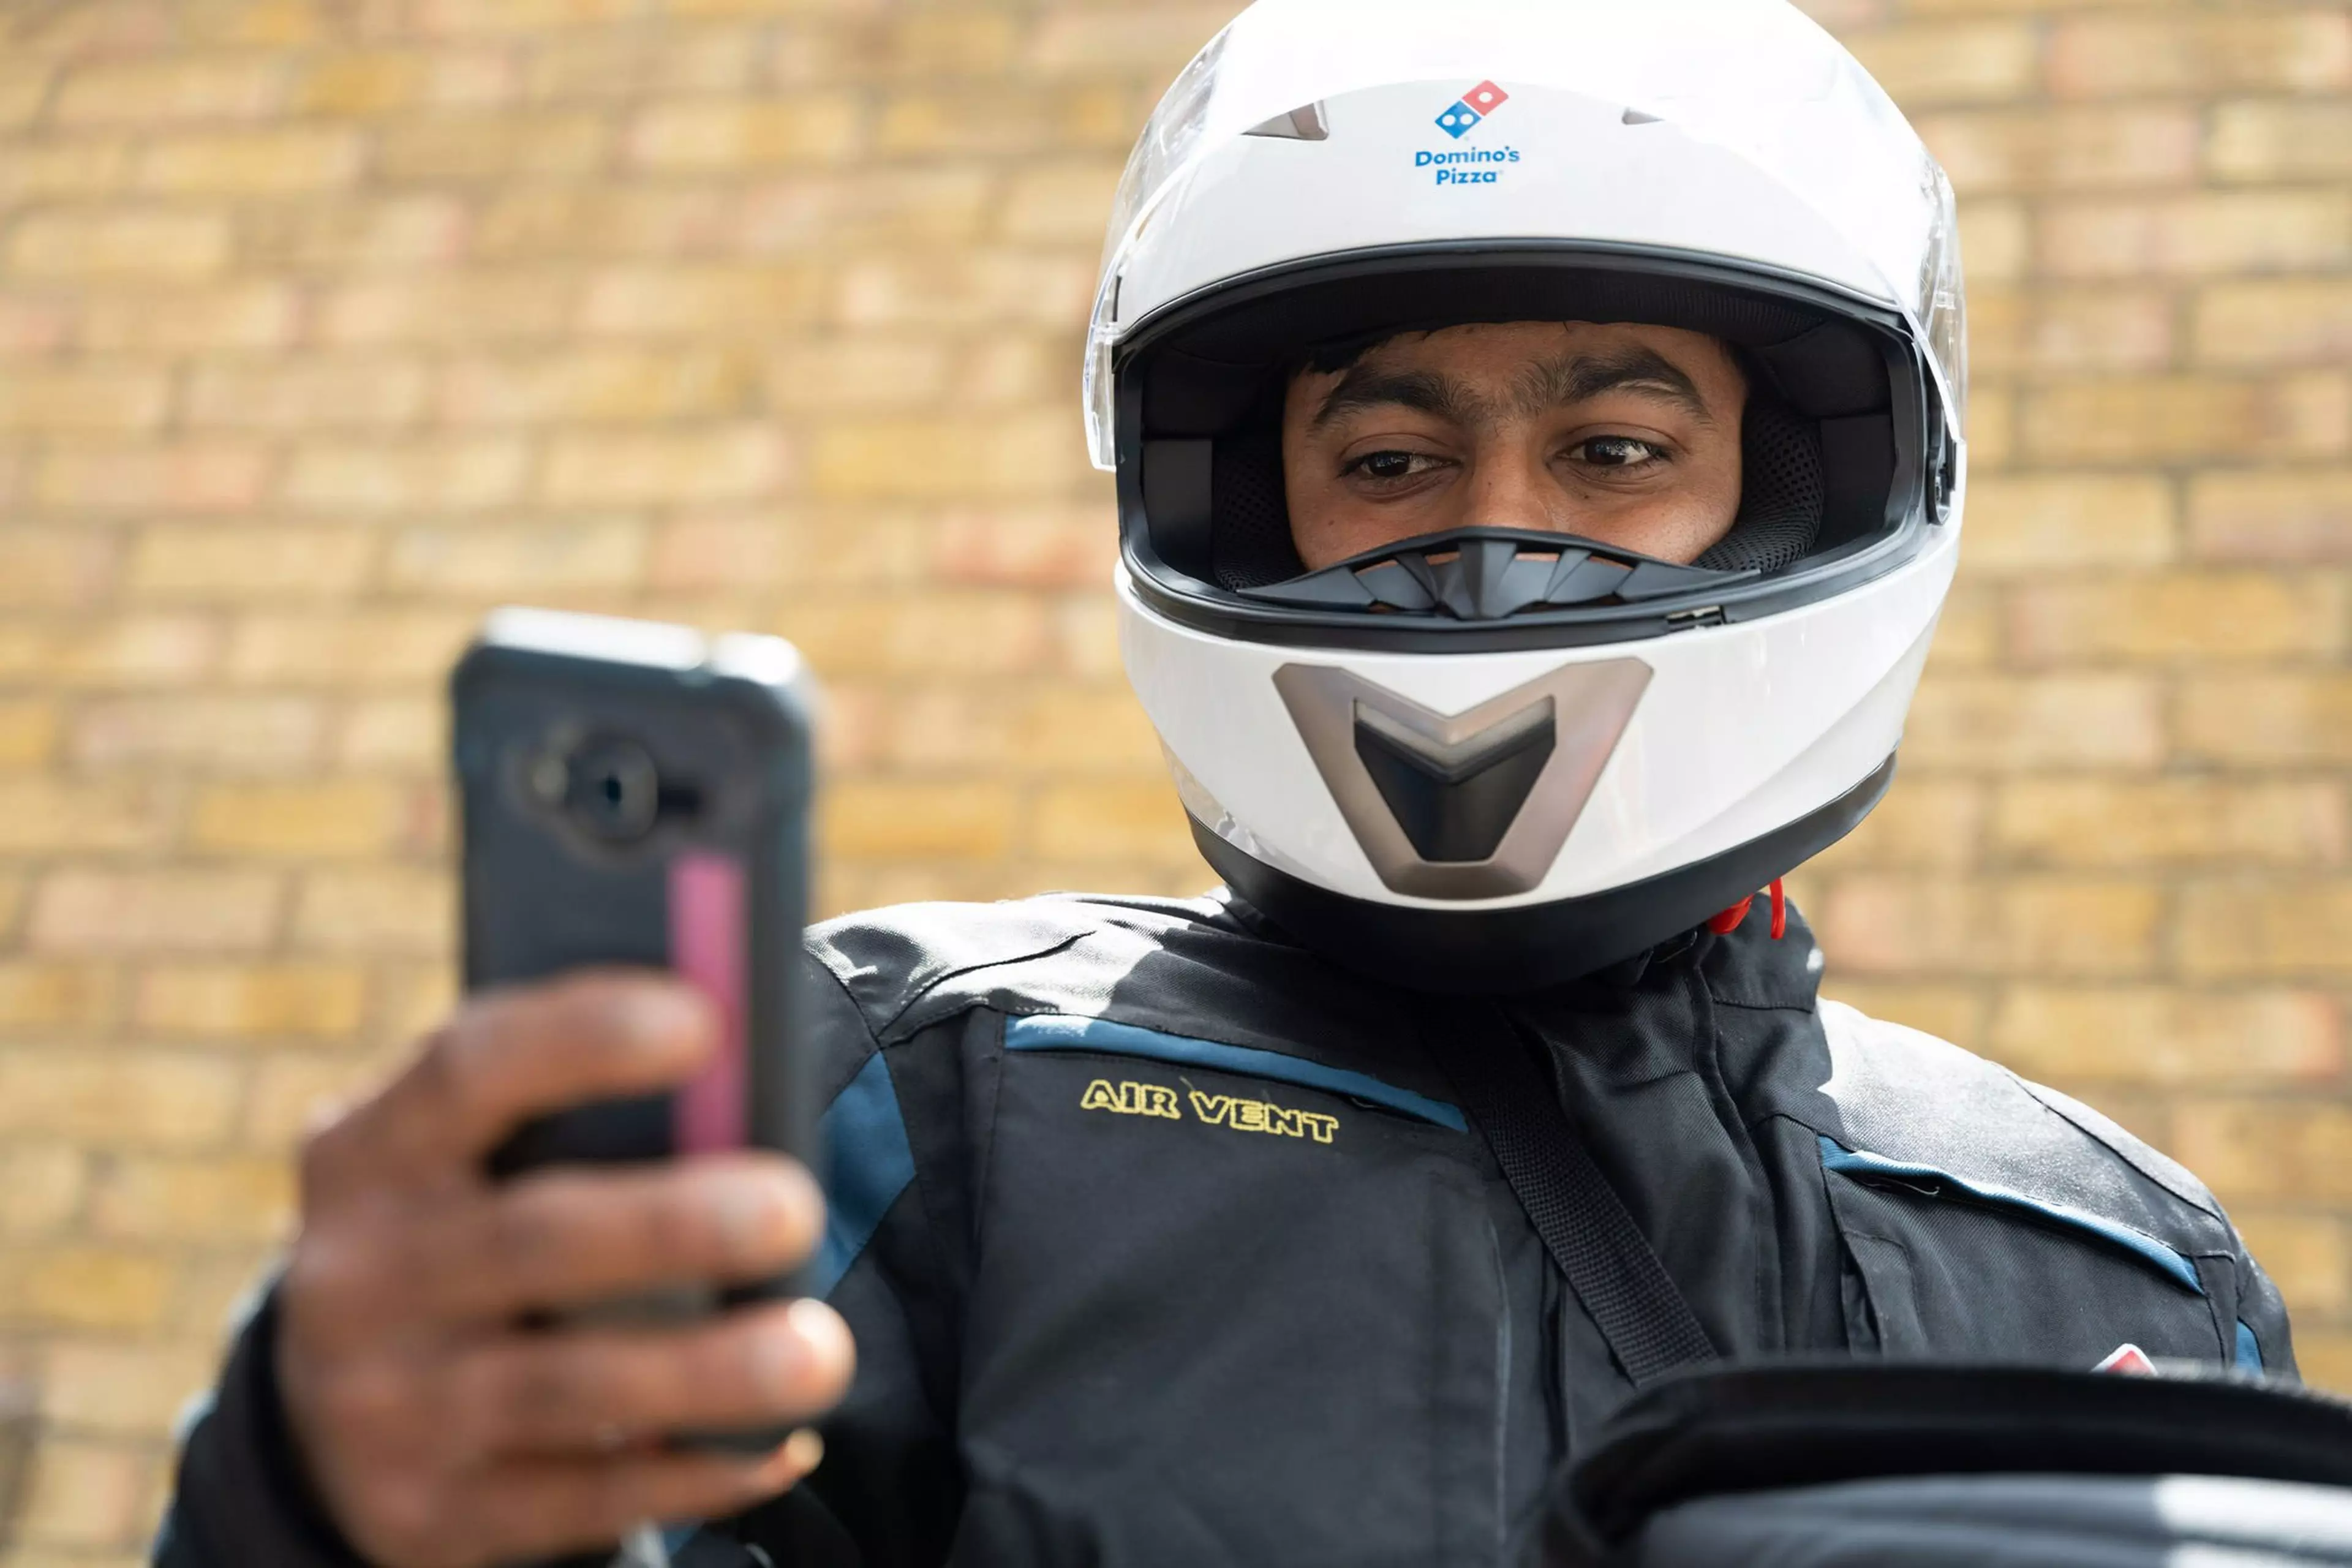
[1472, 107]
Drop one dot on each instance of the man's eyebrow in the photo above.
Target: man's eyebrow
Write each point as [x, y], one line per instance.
[1426, 392]
[1586, 376]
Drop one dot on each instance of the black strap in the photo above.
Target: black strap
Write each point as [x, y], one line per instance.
[1583, 1221]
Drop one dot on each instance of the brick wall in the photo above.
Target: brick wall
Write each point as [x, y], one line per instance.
[325, 324]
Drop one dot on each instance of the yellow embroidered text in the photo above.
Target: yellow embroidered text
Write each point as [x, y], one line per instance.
[1262, 1116]
[1133, 1100]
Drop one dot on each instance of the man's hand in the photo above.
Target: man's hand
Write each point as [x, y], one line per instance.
[440, 1435]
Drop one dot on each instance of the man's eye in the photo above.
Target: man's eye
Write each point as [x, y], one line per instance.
[1616, 452]
[1392, 464]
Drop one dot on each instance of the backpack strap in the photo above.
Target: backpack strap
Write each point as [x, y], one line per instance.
[1582, 1222]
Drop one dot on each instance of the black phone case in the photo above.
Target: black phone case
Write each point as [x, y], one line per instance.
[543, 894]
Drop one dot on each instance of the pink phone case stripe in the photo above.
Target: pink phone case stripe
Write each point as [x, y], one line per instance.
[707, 925]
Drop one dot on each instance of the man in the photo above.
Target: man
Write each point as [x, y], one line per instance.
[1535, 500]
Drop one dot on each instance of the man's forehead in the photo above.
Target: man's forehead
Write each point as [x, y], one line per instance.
[1528, 340]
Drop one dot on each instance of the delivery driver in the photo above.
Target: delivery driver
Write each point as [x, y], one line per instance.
[1538, 431]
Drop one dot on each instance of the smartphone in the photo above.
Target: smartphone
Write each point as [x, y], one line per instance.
[638, 795]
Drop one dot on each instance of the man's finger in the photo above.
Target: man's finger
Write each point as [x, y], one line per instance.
[534, 1509]
[585, 1391]
[507, 1056]
[564, 1237]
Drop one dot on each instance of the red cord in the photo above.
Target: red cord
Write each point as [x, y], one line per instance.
[1727, 922]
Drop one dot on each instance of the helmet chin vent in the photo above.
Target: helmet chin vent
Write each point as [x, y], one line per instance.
[1489, 573]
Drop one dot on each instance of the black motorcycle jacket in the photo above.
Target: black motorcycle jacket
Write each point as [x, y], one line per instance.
[1166, 1242]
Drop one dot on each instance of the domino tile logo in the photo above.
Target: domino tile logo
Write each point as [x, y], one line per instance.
[1474, 107]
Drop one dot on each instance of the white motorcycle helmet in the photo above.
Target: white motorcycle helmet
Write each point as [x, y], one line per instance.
[1493, 760]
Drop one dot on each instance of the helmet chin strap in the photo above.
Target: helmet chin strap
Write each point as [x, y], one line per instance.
[1727, 922]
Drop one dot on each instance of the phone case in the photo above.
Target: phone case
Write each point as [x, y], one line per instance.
[637, 794]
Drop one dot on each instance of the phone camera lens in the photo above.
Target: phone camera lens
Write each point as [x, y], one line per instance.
[612, 790]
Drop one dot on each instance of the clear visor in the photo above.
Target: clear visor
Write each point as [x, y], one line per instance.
[1755, 77]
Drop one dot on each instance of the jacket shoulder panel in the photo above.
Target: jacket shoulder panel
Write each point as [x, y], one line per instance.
[1906, 1096]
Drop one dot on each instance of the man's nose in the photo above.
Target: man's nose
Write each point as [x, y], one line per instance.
[1509, 490]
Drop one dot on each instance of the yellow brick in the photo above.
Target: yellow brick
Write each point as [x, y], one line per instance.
[405, 733]
[834, 374]
[42, 1188]
[1992, 429]
[93, 1386]
[673, 300]
[2245, 929]
[2255, 1150]
[515, 18]
[259, 22]
[2306, 1256]
[243, 1200]
[80, 169]
[2098, 55]
[37, 995]
[634, 467]
[1031, 119]
[2073, 330]
[1954, 1012]
[377, 911]
[91, 652]
[1996, 238]
[904, 460]
[238, 1001]
[1889, 924]
[986, 287]
[349, 649]
[1110, 821]
[1160, 39]
[672, 61]
[2280, 515]
[967, 634]
[1967, 632]
[899, 820]
[53, 568]
[1995, 725]
[88, 910]
[483, 148]
[1027, 546]
[81, 399]
[85, 1494]
[24, 88]
[77, 817]
[188, 478]
[2093, 822]
[446, 476]
[28, 732]
[2040, 523]
[2257, 718]
[116, 1098]
[465, 310]
[1926, 821]
[520, 561]
[2062, 149]
[2200, 234]
[334, 819]
[1067, 730]
[174, 562]
[871, 209]
[81, 1287]
[2177, 617]
[240, 316]
[1953, 62]
[376, 83]
[353, 234]
[1066, 204]
[753, 133]
[572, 222]
[206, 733]
[2298, 322]
[291, 1093]
[250, 163]
[594, 387]
[318, 393]
[2281, 139]
[148, 92]
[2177, 1039]
[1084, 639]
[2154, 419]
[127, 244]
